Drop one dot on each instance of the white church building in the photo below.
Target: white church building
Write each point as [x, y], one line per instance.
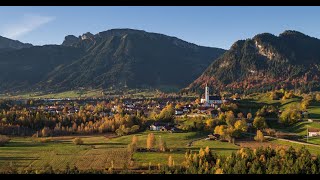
[208, 100]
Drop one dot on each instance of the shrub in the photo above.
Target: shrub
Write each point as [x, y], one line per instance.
[270, 132]
[78, 141]
[45, 140]
[162, 145]
[259, 122]
[259, 137]
[317, 97]
[134, 128]
[45, 132]
[151, 141]
[4, 140]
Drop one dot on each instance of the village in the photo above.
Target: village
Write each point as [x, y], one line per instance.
[209, 106]
[224, 124]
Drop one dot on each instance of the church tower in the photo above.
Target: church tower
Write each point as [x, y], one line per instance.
[206, 95]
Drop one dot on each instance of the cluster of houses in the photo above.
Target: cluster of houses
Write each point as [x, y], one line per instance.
[132, 106]
[183, 110]
[209, 105]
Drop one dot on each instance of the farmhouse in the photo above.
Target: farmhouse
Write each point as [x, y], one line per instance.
[213, 137]
[312, 132]
[162, 127]
[179, 111]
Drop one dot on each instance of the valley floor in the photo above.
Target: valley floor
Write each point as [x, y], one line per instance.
[101, 151]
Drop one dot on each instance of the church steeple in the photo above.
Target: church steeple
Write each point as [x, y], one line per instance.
[206, 95]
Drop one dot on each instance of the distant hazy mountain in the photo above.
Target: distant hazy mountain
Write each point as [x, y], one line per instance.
[113, 58]
[9, 44]
[290, 60]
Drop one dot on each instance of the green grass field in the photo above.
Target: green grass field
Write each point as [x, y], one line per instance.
[177, 142]
[98, 151]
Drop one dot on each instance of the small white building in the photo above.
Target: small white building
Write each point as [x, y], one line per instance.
[208, 100]
[179, 112]
[312, 132]
[155, 128]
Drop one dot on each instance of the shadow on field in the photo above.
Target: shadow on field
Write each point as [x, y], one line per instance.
[193, 149]
[298, 128]
[25, 144]
[17, 158]
[94, 144]
[116, 144]
[314, 116]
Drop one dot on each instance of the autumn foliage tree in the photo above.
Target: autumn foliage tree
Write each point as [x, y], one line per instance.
[151, 141]
[230, 119]
[240, 126]
[167, 113]
[290, 116]
[318, 97]
[78, 141]
[4, 139]
[170, 161]
[162, 145]
[259, 136]
[259, 122]
[220, 130]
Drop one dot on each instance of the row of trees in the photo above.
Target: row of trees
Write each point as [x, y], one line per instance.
[151, 143]
[89, 119]
[249, 161]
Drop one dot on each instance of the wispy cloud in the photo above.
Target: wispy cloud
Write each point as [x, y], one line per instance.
[26, 24]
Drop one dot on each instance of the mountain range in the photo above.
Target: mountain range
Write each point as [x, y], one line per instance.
[265, 62]
[119, 58]
[7, 44]
[114, 58]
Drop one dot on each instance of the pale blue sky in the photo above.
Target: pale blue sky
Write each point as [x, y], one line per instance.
[207, 26]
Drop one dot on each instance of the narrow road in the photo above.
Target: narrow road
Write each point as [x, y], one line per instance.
[297, 142]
